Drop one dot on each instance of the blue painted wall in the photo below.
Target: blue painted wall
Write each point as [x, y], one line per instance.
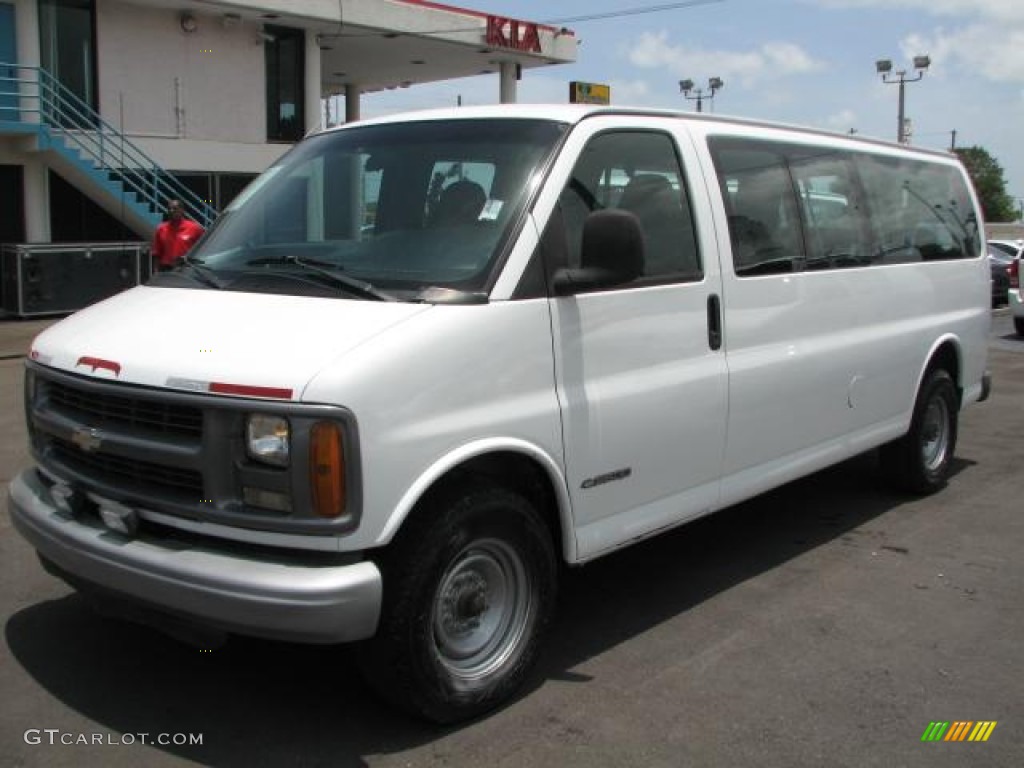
[8, 55]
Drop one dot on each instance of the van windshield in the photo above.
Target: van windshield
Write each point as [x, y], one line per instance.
[388, 210]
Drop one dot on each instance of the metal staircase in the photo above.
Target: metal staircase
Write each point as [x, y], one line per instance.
[89, 152]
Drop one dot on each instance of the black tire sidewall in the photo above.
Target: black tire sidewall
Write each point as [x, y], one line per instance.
[938, 384]
[413, 574]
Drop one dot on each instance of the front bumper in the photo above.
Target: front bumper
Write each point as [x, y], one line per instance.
[297, 597]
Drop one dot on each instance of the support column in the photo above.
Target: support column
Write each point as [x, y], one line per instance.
[37, 200]
[26, 23]
[507, 85]
[314, 111]
[352, 93]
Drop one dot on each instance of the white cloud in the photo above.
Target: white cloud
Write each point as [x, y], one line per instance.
[631, 92]
[987, 39]
[990, 51]
[768, 62]
[991, 10]
[842, 121]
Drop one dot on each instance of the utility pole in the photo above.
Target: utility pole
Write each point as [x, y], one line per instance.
[884, 68]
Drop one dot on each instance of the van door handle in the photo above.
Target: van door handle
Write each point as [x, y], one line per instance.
[714, 322]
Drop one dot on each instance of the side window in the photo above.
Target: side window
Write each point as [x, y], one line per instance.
[837, 226]
[921, 211]
[639, 172]
[764, 225]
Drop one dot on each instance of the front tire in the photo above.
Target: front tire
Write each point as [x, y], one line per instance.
[469, 588]
[1018, 325]
[919, 461]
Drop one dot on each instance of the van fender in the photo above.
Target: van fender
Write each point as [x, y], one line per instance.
[949, 338]
[473, 450]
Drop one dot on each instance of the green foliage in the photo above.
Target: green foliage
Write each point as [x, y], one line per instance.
[987, 176]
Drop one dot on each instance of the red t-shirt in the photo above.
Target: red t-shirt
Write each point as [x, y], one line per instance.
[172, 240]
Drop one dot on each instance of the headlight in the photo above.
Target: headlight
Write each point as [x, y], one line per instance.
[267, 438]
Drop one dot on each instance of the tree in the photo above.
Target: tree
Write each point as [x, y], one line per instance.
[987, 176]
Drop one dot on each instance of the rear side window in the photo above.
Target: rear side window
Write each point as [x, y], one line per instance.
[764, 225]
[921, 212]
[837, 227]
[639, 172]
[800, 207]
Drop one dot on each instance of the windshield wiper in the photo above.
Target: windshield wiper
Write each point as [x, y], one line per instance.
[202, 273]
[328, 270]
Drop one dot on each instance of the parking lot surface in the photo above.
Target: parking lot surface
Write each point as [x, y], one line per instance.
[827, 623]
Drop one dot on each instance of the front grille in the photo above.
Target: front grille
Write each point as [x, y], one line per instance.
[133, 413]
[179, 454]
[138, 476]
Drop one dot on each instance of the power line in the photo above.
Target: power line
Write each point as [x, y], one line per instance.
[631, 12]
[637, 11]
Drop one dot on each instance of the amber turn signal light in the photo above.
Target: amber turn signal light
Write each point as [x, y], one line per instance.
[327, 469]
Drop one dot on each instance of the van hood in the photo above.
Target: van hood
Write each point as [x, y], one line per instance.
[242, 344]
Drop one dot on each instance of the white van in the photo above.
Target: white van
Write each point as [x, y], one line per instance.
[424, 361]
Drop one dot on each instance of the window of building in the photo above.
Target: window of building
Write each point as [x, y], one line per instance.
[12, 223]
[215, 189]
[67, 32]
[286, 83]
[74, 218]
[228, 186]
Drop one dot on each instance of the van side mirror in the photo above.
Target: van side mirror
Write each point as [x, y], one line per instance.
[612, 253]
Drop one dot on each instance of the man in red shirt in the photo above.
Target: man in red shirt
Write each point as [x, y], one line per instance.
[174, 237]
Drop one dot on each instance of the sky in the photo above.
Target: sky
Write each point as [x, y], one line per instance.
[805, 62]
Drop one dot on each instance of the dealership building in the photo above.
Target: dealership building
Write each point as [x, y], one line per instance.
[110, 107]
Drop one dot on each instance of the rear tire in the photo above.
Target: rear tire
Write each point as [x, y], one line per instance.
[1018, 325]
[919, 461]
[469, 588]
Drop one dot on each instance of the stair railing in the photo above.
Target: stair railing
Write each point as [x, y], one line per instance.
[66, 115]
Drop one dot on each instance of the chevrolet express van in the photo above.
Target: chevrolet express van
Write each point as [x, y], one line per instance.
[423, 362]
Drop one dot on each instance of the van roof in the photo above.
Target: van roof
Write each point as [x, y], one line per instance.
[575, 113]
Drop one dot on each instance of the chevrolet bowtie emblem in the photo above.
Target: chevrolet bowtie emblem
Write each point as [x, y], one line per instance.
[88, 439]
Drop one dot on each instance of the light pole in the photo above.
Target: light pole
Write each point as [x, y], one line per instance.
[714, 84]
[884, 68]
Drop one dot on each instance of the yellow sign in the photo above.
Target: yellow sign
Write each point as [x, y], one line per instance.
[589, 93]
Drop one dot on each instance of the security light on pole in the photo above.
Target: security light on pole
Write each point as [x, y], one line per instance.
[884, 68]
[714, 84]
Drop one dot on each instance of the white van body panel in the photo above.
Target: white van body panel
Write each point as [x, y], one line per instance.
[460, 377]
[641, 393]
[825, 364]
[489, 447]
[185, 339]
